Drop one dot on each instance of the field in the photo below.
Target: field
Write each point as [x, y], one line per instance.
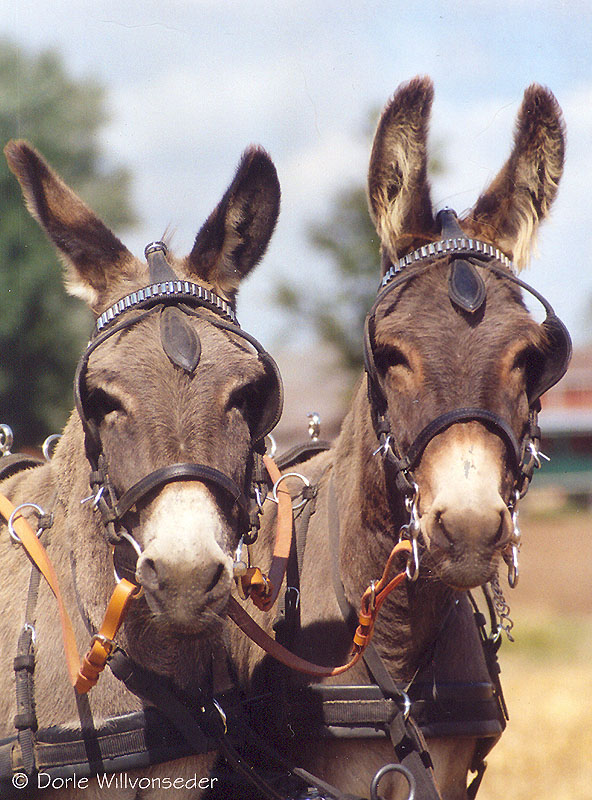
[546, 750]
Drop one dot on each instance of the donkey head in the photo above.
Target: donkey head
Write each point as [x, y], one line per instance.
[436, 356]
[170, 391]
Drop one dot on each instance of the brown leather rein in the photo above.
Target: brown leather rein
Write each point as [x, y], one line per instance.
[260, 588]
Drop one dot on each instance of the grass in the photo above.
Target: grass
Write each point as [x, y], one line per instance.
[546, 751]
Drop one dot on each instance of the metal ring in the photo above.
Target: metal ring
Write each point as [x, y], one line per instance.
[49, 445]
[392, 768]
[6, 439]
[304, 480]
[138, 550]
[11, 530]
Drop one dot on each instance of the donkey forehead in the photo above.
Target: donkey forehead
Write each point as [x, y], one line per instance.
[139, 351]
[421, 313]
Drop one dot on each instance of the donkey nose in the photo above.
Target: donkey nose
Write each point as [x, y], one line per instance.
[158, 575]
[452, 526]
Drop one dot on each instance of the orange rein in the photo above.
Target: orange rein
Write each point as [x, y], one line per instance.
[370, 605]
[83, 674]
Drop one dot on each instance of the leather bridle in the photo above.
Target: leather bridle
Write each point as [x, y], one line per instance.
[458, 247]
[165, 291]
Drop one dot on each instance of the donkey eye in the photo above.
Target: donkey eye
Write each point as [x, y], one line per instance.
[531, 362]
[100, 404]
[387, 357]
[241, 399]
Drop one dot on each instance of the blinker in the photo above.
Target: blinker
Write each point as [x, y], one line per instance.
[179, 341]
[466, 288]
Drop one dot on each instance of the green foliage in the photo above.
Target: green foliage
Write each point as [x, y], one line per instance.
[350, 241]
[42, 330]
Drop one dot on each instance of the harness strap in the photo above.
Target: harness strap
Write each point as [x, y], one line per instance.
[82, 677]
[25, 720]
[264, 589]
[371, 602]
[95, 660]
[39, 556]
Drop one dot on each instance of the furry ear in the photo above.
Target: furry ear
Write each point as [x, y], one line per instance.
[95, 259]
[510, 210]
[236, 234]
[398, 189]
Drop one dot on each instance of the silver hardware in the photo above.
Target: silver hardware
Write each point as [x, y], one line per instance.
[17, 510]
[372, 595]
[444, 247]
[6, 439]
[96, 498]
[138, 550]
[502, 609]
[409, 777]
[258, 498]
[513, 571]
[49, 445]
[511, 558]
[537, 454]
[314, 426]
[304, 480]
[272, 445]
[167, 289]
[411, 531]
[239, 567]
[384, 447]
[28, 627]
[412, 568]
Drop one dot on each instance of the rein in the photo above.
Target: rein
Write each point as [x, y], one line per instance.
[83, 674]
[370, 604]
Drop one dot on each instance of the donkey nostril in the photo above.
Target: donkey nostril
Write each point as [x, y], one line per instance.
[215, 578]
[443, 538]
[147, 574]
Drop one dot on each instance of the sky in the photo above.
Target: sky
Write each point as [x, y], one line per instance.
[191, 83]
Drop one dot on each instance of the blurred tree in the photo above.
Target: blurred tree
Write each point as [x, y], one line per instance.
[350, 241]
[43, 330]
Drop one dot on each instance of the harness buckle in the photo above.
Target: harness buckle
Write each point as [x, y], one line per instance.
[106, 643]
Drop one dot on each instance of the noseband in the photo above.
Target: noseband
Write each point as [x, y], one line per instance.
[467, 291]
[183, 348]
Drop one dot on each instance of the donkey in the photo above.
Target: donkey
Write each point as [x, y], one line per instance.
[438, 443]
[173, 400]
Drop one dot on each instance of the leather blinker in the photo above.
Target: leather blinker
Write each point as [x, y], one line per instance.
[466, 287]
[179, 341]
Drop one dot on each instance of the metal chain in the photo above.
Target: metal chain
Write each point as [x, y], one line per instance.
[502, 609]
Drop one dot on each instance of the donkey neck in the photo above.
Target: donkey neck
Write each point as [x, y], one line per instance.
[371, 515]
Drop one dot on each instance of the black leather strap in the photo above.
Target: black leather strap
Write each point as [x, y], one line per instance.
[468, 414]
[176, 472]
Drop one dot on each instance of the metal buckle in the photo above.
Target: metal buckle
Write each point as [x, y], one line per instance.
[104, 641]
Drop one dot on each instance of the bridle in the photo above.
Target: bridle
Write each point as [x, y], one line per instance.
[467, 291]
[165, 292]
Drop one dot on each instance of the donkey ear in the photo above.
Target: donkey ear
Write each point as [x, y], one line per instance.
[520, 197]
[94, 257]
[236, 234]
[398, 189]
